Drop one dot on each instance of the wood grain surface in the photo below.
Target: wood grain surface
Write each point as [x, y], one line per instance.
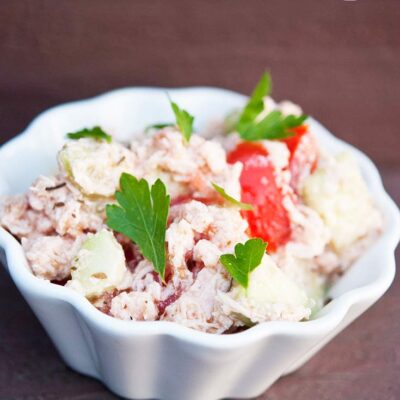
[339, 59]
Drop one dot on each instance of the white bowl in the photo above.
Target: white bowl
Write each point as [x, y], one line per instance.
[161, 359]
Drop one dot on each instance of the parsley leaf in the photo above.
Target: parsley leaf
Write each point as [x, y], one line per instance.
[184, 121]
[247, 257]
[230, 199]
[273, 126]
[158, 126]
[255, 104]
[142, 216]
[95, 133]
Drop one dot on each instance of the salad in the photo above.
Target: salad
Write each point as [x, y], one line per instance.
[246, 222]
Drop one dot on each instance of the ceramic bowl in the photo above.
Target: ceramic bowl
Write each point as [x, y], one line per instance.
[163, 360]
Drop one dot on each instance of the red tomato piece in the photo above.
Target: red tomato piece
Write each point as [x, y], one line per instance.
[303, 154]
[269, 219]
[293, 141]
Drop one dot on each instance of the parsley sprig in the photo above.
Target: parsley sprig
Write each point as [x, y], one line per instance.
[184, 121]
[230, 199]
[141, 215]
[247, 257]
[158, 126]
[94, 133]
[274, 125]
[255, 104]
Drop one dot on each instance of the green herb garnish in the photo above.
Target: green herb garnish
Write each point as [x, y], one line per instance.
[230, 199]
[141, 215]
[94, 133]
[247, 257]
[184, 121]
[158, 126]
[273, 126]
[255, 104]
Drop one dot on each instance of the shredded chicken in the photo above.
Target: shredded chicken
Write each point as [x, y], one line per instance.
[197, 308]
[58, 214]
[51, 206]
[50, 256]
[186, 168]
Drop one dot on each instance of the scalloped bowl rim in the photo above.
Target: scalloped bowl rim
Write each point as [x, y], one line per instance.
[329, 317]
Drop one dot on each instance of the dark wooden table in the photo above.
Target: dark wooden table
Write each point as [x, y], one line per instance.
[339, 59]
